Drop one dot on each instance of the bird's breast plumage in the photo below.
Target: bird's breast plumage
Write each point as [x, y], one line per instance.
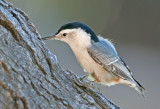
[97, 56]
[93, 68]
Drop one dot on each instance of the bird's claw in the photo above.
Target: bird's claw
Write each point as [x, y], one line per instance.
[87, 83]
[81, 78]
[84, 83]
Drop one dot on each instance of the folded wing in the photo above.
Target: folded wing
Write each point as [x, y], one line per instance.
[105, 54]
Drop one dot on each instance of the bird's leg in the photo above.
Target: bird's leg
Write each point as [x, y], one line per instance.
[81, 78]
[78, 80]
[82, 82]
[89, 83]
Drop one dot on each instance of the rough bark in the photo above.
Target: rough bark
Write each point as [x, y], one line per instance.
[30, 77]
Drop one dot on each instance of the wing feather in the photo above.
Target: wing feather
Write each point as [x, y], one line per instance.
[105, 54]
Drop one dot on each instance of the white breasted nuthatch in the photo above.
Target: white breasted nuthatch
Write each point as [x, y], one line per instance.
[96, 55]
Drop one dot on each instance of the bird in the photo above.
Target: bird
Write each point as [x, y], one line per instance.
[96, 55]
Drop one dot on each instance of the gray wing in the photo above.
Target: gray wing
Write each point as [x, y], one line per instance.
[105, 54]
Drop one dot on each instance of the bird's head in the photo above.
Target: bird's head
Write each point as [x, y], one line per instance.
[74, 34]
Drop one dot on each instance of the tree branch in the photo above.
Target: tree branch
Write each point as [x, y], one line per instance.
[30, 76]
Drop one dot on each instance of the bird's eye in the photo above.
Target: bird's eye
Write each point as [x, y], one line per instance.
[64, 34]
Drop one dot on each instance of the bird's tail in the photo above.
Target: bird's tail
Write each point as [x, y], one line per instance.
[139, 88]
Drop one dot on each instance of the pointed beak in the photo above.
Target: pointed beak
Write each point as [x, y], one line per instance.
[48, 37]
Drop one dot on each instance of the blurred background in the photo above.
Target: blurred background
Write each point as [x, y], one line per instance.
[134, 26]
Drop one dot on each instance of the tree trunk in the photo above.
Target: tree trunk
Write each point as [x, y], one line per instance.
[30, 77]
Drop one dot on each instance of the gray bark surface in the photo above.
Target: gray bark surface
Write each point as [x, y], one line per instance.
[30, 76]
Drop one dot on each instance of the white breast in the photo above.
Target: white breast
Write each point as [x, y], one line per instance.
[91, 66]
[79, 45]
[85, 60]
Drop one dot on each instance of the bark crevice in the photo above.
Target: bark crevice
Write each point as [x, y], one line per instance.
[30, 76]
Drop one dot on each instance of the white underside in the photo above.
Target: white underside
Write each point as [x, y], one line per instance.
[79, 41]
[91, 66]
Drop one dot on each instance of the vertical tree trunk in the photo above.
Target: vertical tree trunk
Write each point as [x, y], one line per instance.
[30, 77]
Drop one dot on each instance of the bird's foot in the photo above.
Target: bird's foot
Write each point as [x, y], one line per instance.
[83, 82]
[88, 83]
[81, 78]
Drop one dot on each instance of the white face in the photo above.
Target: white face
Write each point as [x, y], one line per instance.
[74, 37]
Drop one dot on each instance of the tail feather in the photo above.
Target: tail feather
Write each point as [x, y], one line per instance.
[139, 88]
